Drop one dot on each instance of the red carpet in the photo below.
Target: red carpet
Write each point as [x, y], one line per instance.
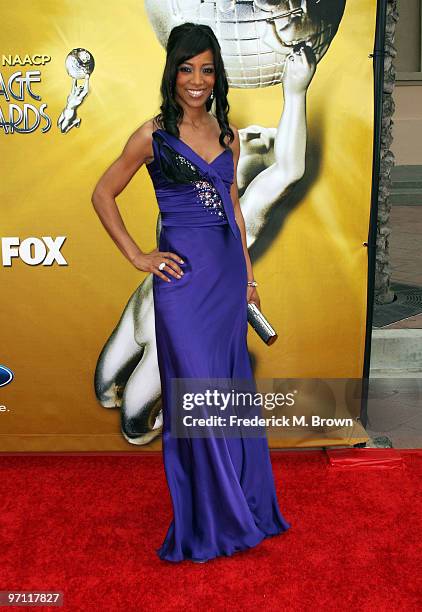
[89, 525]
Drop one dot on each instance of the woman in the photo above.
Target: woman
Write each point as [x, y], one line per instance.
[222, 488]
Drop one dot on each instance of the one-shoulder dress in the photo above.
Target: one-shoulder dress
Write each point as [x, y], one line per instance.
[222, 488]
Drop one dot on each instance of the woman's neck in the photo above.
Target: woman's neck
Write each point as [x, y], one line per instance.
[195, 118]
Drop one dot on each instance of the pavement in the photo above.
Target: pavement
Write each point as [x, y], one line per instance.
[395, 388]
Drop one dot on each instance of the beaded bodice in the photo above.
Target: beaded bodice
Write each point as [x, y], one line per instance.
[202, 200]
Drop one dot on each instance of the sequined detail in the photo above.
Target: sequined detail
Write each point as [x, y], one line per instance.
[185, 161]
[206, 193]
[209, 198]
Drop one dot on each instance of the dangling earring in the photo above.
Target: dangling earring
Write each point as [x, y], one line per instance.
[212, 95]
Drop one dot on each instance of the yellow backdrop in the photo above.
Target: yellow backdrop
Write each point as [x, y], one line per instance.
[56, 319]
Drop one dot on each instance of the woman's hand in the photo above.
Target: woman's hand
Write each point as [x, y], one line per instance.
[252, 296]
[149, 262]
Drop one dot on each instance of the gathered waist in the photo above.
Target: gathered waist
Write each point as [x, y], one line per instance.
[191, 219]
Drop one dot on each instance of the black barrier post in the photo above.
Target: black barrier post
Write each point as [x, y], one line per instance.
[378, 65]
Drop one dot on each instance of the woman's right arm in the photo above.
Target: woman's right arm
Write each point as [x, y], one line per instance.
[136, 152]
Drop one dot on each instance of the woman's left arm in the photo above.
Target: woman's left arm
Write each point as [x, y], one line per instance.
[251, 292]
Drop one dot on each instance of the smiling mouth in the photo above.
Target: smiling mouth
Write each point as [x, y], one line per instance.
[195, 93]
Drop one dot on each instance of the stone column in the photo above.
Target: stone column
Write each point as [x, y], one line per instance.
[383, 291]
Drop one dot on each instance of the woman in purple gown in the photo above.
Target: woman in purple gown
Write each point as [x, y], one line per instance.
[222, 488]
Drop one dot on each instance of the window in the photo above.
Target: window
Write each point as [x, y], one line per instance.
[408, 41]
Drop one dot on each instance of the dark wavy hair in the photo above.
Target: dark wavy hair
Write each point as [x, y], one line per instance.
[185, 41]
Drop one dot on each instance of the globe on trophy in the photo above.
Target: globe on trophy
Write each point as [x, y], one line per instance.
[255, 36]
[79, 64]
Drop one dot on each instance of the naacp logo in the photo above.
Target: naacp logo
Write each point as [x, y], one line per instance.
[22, 109]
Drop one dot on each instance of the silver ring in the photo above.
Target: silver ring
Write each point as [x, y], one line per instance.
[162, 265]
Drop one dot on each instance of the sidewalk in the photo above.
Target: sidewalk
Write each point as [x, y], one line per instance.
[406, 255]
[395, 396]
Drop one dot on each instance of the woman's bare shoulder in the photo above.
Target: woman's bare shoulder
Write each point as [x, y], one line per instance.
[144, 132]
[235, 142]
[233, 127]
[139, 144]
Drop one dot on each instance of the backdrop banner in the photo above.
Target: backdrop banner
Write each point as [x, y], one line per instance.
[78, 362]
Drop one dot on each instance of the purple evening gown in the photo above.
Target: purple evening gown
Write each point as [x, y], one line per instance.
[222, 489]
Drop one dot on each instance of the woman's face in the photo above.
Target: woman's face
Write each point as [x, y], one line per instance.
[195, 79]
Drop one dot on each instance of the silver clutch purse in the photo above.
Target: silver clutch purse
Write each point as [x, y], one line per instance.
[260, 324]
